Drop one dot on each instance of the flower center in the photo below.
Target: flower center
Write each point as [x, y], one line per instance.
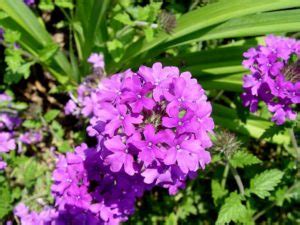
[139, 96]
[292, 72]
[177, 147]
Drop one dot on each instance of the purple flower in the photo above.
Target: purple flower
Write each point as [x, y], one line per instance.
[152, 128]
[122, 119]
[6, 142]
[97, 60]
[137, 94]
[70, 108]
[29, 2]
[2, 164]
[4, 96]
[150, 148]
[31, 137]
[1, 38]
[179, 119]
[120, 155]
[274, 78]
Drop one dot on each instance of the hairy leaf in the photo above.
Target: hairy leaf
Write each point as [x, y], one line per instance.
[232, 210]
[218, 192]
[243, 158]
[262, 184]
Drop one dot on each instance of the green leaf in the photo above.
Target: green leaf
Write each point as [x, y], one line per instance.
[197, 20]
[11, 77]
[34, 37]
[171, 219]
[258, 24]
[243, 158]
[46, 5]
[123, 18]
[51, 115]
[64, 147]
[116, 49]
[5, 200]
[48, 52]
[57, 129]
[262, 184]
[91, 27]
[218, 192]
[32, 124]
[232, 210]
[64, 4]
[254, 126]
[149, 33]
[11, 37]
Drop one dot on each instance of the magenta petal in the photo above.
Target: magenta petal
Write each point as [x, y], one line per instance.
[171, 156]
[148, 103]
[150, 175]
[170, 122]
[115, 161]
[114, 144]
[149, 132]
[128, 165]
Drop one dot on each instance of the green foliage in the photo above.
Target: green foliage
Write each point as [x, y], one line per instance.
[232, 210]
[51, 115]
[203, 37]
[265, 182]
[5, 199]
[243, 158]
[217, 191]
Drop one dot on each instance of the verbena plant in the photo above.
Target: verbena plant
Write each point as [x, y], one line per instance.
[244, 183]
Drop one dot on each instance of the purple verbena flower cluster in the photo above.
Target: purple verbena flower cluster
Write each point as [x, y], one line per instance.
[274, 77]
[155, 122]
[152, 129]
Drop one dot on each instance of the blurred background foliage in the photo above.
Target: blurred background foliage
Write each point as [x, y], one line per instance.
[254, 176]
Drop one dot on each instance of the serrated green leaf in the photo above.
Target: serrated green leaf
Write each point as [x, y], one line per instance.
[243, 158]
[11, 37]
[232, 210]
[265, 182]
[218, 192]
[24, 69]
[51, 115]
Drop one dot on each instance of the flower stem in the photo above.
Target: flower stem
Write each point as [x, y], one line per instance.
[225, 174]
[238, 179]
[295, 145]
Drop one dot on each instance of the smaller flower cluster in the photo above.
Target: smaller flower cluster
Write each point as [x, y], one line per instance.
[86, 192]
[274, 77]
[9, 129]
[45, 217]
